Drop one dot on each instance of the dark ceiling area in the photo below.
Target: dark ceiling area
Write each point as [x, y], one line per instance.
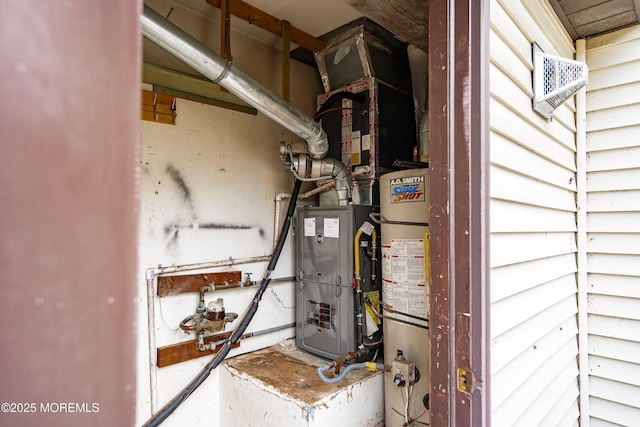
[408, 19]
[585, 18]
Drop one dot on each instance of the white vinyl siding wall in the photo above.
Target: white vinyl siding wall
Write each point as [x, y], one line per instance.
[534, 347]
[613, 227]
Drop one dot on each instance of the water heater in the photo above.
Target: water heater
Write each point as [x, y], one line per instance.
[404, 217]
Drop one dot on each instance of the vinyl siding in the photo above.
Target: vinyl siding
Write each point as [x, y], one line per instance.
[534, 348]
[613, 227]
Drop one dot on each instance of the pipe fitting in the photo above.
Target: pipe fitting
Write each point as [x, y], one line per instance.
[306, 168]
[212, 319]
[341, 175]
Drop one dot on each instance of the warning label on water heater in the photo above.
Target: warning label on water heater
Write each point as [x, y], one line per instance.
[404, 281]
[410, 189]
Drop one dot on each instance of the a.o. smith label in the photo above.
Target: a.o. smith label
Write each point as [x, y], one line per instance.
[410, 189]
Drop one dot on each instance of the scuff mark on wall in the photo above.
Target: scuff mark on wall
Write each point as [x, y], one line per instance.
[182, 185]
[171, 229]
[219, 226]
[171, 236]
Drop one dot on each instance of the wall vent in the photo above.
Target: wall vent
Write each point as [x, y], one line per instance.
[555, 79]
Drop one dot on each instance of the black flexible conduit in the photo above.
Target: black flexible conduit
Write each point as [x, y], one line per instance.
[173, 404]
[335, 97]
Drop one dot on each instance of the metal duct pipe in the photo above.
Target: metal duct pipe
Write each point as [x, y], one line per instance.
[307, 169]
[180, 44]
[342, 176]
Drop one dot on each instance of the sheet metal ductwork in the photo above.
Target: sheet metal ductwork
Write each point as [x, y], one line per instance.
[306, 167]
[180, 44]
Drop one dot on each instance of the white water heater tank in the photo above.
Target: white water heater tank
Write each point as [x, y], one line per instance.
[404, 213]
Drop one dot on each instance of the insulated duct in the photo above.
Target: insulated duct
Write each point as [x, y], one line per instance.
[180, 44]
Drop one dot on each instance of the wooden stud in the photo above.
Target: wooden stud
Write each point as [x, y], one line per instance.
[181, 352]
[286, 61]
[174, 285]
[224, 29]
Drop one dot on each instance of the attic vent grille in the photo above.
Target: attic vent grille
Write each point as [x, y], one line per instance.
[555, 79]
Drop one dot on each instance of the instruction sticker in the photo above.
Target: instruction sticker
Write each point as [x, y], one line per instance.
[366, 142]
[387, 288]
[404, 281]
[366, 228]
[332, 227]
[309, 227]
[355, 147]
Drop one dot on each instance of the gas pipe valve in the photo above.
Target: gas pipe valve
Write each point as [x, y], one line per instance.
[404, 371]
[399, 380]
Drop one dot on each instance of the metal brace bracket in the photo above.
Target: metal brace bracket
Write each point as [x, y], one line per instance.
[308, 413]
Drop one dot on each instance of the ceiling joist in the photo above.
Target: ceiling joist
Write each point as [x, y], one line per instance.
[270, 23]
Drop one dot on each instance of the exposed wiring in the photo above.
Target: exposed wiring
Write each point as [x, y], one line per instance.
[419, 416]
[319, 115]
[406, 393]
[174, 403]
[277, 297]
[406, 404]
[409, 394]
[414, 420]
[357, 97]
[299, 178]
[163, 319]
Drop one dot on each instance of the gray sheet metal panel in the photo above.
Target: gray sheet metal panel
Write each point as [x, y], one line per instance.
[325, 315]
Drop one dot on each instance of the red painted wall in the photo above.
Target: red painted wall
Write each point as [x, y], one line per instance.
[69, 135]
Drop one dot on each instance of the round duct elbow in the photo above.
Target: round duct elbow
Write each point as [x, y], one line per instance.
[342, 176]
[318, 148]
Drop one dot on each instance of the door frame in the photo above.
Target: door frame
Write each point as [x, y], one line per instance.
[459, 212]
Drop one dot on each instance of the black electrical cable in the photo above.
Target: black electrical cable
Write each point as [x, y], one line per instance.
[173, 404]
[335, 97]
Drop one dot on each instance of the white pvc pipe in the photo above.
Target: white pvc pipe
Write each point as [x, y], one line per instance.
[151, 276]
[153, 372]
[160, 270]
[278, 202]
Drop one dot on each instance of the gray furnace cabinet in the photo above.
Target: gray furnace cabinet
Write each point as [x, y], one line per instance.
[326, 309]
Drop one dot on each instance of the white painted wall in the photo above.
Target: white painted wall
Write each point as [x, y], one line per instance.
[534, 348]
[231, 169]
[613, 227]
